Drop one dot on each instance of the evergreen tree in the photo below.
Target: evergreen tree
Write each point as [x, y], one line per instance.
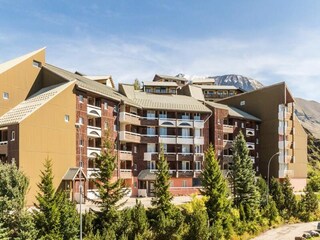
[243, 176]
[69, 217]
[4, 235]
[263, 191]
[47, 217]
[13, 188]
[26, 229]
[140, 224]
[163, 197]
[167, 219]
[308, 204]
[136, 84]
[215, 189]
[110, 189]
[277, 194]
[289, 199]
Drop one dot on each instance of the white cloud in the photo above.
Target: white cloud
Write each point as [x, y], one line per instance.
[295, 59]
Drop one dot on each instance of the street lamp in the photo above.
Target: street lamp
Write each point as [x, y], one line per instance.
[78, 127]
[269, 174]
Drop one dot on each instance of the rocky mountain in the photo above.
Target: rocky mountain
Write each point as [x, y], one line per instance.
[245, 83]
[309, 114]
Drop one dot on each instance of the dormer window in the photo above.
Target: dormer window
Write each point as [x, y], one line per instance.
[36, 64]
[5, 95]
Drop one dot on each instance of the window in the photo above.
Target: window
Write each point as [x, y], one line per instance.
[106, 125]
[236, 124]
[152, 165]
[105, 105]
[197, 132]
[133, 110]
[163, 131]
[134, 167]
[162, 114]
[13, 135]
[197, 149]
[134, 149]
[219, 138]
[81, 142]
[184, 183]
[66, 118]
[80, 98]
[81, 120]
[185, 148]
[5, 95]
[135, 184]
[257, 127]
[151, 147]
[242, 103]
[148, 90]
[186, 116]
[151, 131]
[165, 148]
[157, 90]
[198, 165]
[115, 127]
[197, 116]
[257, 141]
[185, 165]
[36, 64]
[151, 114]
[218, 121]
[242, 125]
[185, 132]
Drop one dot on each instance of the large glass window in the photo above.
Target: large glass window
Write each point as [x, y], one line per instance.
[163, 131]
[162, 114]
[151, 114]
[185, 148]
[185, 132]
[151, 147]
[151, 131]
[185, 165]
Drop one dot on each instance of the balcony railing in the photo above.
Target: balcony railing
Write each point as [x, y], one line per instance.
[250, 132]
[168, 139]
[198, 157]
[126, 155]
[228, 128]
[93, 152]
[167, 122]
[129, 118]
[185, 140]
[125, 173]
[198, 124]
[91, 171]
[93, 111]
[185, 157]
[130, 137]
[250, 145]
[199, 140]
[94, 132]
[185, 123]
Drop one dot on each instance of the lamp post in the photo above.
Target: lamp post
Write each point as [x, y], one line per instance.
[269, 174]
[78, 127]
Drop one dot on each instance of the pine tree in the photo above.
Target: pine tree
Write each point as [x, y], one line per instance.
[136, 84]
[140, 224]
[167, 219]
[243, 176]
[289, 199]
[263, 191]
[308, 204]
[3, 232]
[163, 197]
[277, 194]
[26, 229]
[47, 217]
[110, 190]
[215, 189]
[69, 217]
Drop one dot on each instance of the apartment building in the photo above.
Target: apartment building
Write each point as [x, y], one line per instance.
[280, 132]
[227, 122]
[179, 124]
[49, 112]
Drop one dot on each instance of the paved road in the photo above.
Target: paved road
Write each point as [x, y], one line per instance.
[287, 232]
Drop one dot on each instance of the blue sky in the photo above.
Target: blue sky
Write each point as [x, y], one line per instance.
[270, 41]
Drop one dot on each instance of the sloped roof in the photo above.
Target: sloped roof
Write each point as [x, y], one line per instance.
[72, 173]
[202, 80]
[233, 112]
[89, 85]
[32, 104]
[218, 87]
[196, 92]
[159, 84]
[146, 174]
[9, 64]
[171, 77]
[164, 102]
